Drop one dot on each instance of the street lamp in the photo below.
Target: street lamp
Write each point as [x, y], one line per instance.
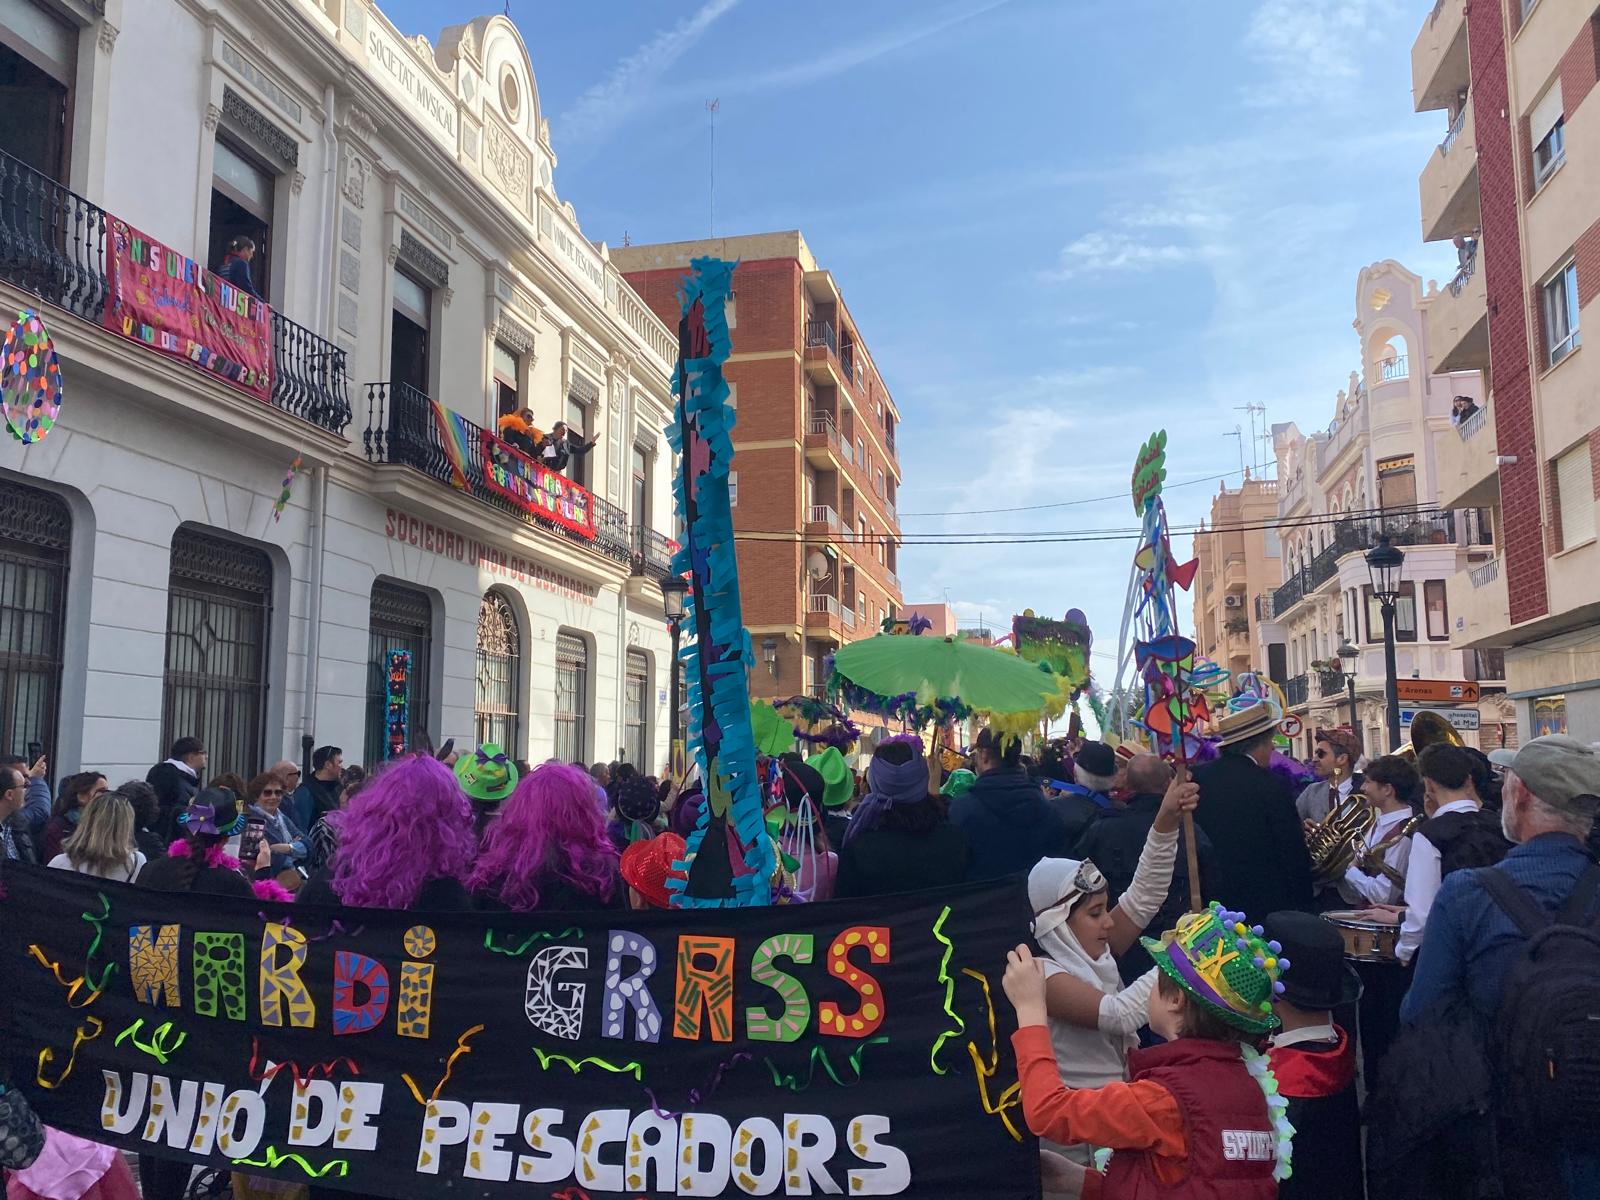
[1350, 657]
[673, 590]
[1383, 565]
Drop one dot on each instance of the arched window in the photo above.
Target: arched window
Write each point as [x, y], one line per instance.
[401, 619]
[572, 697]
[35, 540]
[219, 612]
[499, 653]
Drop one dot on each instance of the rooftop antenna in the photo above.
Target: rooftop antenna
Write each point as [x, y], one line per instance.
[711, 107]
[1238, 435]
[1255, 409]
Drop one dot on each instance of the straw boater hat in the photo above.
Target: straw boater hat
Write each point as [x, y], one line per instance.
[1247, 723]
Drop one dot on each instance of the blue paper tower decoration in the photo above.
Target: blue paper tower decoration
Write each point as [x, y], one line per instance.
[730, 858]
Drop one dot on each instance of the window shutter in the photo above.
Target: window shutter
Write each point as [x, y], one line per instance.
[1545, 114]
[1575, 495]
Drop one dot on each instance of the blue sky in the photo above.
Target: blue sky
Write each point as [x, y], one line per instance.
[1061, 224]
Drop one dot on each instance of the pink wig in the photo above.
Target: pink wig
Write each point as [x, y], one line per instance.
[410, 824]
[550, 829]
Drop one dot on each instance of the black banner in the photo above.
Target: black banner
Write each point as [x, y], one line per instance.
[858, 1048]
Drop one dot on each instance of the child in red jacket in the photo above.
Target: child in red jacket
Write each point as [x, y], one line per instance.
[1199, 1116]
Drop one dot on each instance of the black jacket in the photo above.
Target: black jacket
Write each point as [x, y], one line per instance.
[1115, 842]
[174, 789]
[1008, 823]
[882, 862]
[1080, 810]
[237, 272]
[555, 454]
[437, 895]
[166, 875]
[1465, 840]
[1260, 864]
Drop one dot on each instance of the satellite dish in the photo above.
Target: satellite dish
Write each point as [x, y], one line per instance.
[817, 565]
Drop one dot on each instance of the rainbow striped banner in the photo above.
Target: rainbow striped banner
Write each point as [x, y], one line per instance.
[453, 437]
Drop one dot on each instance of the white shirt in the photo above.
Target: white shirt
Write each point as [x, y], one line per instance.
[1357, 887]
[1422, 884]
[1311, 1033]
[126, 873]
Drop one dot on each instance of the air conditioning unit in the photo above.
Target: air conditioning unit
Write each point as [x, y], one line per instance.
[1232, 601]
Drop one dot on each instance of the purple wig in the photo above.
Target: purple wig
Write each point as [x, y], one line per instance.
[550, 829]
[410, 824]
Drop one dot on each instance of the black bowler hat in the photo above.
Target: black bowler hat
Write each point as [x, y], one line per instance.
[1097, 758]
[1318, 977]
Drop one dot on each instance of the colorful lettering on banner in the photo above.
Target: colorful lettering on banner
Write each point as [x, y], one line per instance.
[873, 941]
[219, 972]
[796, 1015]
[389, 1058]
[705, 983]
[153, 964]
[283, 954]
[535, 489]
[175, 306]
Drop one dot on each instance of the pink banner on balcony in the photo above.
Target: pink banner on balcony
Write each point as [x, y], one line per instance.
[173, 305]
[535, 489]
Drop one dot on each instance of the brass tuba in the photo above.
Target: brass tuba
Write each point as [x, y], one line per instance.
[1336, 840]
[1429, 728]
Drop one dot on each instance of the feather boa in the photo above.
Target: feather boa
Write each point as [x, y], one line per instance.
[218, 857]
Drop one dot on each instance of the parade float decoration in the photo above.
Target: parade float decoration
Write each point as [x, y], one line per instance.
[30, 379]
[397, 705]
[286, 488]
[730, 859]
[1167, 691]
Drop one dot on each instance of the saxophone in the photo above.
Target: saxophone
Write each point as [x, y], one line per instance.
[1335, 841]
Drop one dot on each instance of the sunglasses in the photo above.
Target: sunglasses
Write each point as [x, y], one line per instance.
[271, 791]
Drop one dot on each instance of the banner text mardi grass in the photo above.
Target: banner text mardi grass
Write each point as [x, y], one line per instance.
[172, 304]
[845, 1047]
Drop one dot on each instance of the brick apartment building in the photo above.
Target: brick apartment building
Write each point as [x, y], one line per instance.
[1517, 181]
[816, 477]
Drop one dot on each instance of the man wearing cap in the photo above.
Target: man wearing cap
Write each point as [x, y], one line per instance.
[1552, 797]
[1097, 772]
[1259, 857]
[1333, 758]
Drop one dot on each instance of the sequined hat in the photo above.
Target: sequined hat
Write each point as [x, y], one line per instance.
[1225, 963]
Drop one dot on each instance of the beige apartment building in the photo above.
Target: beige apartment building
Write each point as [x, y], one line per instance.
[1239, 569]
[1515, 182]
[1374, 471]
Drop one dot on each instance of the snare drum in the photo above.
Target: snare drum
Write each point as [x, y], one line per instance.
[1366, 940]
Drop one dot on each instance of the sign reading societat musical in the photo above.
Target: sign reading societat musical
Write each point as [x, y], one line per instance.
[854, 1048]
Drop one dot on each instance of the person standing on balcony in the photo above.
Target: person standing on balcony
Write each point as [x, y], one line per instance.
[236, 265]
[562, 446]
[1461, 408]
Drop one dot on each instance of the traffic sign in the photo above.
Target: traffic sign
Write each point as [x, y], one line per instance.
[1436, 691]
[1290, 726]
[1462, 719]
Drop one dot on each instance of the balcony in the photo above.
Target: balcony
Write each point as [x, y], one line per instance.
[822, 439]
[1394, 370]
[1439, 56]
[821, 354]
[1469, 469]
[1449, 183]
[849, 616]
[824, 515]
[652, 553]
[1233, 574]
[1478, 606]
[1295, 691]
[402, 431]
[1330, 684]
[1458, 320]
[820, 333]
[1348, 538]
[53, 245]
[825, 616]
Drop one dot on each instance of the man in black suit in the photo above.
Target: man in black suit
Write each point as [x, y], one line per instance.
[1260, 863]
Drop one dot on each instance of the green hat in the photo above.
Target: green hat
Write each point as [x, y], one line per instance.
[1225, 964]
[959, 783]
[486, 774]
[838, 779]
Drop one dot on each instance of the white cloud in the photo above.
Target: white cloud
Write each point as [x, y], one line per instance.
[599, 110]
[1311, 48]
[1104, 251]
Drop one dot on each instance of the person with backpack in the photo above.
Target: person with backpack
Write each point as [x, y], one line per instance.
[1517, 946]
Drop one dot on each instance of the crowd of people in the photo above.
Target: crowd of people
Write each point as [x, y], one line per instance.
[1135, 1035]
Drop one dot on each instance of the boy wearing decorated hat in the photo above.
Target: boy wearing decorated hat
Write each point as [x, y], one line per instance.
[1200, 1115]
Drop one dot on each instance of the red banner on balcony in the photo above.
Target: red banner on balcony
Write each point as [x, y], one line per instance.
[535, 489]
[173, 305]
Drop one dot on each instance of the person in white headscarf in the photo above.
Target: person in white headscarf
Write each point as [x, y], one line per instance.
[1094, 1020]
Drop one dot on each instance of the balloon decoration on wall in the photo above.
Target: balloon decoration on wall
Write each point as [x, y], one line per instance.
[30, 378]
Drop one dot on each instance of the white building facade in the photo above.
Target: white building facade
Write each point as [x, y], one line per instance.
[424, 279]
[1373, 471]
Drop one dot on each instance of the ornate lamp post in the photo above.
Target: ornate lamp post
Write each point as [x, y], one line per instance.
[1384, 562]
[1350, 658]
[673, 590]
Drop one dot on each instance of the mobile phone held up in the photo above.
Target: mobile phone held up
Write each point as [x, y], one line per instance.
[255, 832]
